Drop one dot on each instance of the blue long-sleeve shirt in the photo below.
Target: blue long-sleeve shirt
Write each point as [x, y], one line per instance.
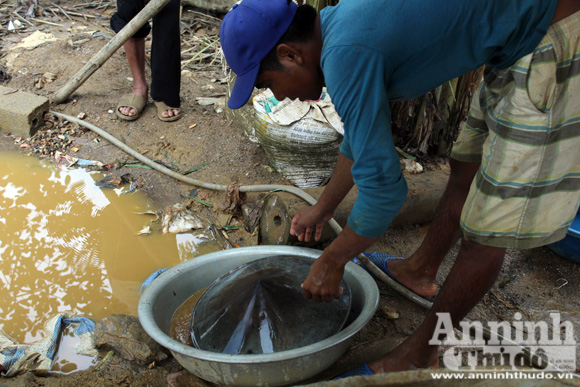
[380, 50]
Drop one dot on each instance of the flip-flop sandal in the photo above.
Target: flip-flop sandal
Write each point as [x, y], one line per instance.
[161, 107]
[380, 260]
[137, 102]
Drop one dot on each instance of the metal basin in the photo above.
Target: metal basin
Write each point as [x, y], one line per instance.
[162, 298]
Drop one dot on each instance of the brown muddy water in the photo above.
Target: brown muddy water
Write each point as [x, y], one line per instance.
[69, 246]
[181, 320]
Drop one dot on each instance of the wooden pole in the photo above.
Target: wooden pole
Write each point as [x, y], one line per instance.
[150, 10]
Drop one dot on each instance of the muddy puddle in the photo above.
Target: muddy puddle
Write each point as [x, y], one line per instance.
[69, 246]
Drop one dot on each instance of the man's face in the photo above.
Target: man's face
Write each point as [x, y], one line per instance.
[293, 81]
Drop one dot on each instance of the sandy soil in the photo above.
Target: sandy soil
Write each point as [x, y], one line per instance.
[532, 282]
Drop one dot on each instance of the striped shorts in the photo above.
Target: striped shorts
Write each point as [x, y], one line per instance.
[524, 130]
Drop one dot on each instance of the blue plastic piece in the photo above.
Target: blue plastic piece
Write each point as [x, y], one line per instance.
[361, 370]
[569, 247]
[85, 325]
[152, 277]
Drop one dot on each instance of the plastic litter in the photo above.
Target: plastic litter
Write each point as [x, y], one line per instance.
[18, 358]
[151, 278]
[411, 166]
[178, 218]
[260, 308]
[64, 161]
[569, 247]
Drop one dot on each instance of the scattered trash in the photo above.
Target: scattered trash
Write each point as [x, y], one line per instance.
[564, 283]
[411, 166]
[50, 77]
[55, 135]
[133, 187]
[268, 168]
[89, 163]
[207, 101]
[113, 181]
[153, 213]
[82, 116]
[64, 161]
[42, 81]
[152, 277]
[218, 102]
[390, 313]
[18, 358]
[222, 238]
[14, 25]
[178, 219]
[145, 231]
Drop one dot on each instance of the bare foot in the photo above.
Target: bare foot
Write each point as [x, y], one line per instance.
[419, 281]
[403, 359]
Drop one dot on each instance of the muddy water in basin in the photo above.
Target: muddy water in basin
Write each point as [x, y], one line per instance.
[68, 246]
[181, 320]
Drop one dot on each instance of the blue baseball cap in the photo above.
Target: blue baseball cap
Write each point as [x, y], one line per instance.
[247, 34]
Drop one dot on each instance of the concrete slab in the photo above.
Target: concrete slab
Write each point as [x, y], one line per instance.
[21, 113]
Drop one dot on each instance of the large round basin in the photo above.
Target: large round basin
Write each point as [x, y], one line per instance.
[161, 299]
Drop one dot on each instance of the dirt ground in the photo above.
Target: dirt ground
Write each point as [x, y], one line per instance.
[534, 282]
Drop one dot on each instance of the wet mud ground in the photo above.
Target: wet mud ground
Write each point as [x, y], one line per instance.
[534, 282]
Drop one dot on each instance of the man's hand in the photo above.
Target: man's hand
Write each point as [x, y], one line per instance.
[309, 219]
[323, 281]
[312, 218]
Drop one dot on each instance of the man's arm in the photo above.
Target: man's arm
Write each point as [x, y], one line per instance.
[323, 282]
[360, 98]
[306, 218]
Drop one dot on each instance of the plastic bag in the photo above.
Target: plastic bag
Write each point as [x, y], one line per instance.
[301, 139]
[260, 308]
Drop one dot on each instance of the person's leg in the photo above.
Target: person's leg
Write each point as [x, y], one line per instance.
[166, 58]
[418, 273]
[135, 51]
[525, 193]
[472, 275]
